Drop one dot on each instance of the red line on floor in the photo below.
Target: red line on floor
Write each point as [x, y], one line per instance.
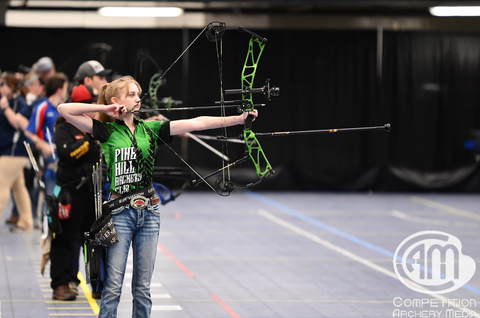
[226, 307]
[166, 252]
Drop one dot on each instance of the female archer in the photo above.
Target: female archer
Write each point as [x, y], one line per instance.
[129, 146]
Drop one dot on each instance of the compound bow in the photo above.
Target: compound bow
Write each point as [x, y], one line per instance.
[253, 150]
[214, 32]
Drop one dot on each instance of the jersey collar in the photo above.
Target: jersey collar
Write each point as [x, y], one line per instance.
[121, 122]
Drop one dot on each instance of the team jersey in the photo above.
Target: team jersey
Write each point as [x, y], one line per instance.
[130, 157]
[44, 115]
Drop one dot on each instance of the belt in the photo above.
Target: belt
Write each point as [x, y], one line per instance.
[138, 199]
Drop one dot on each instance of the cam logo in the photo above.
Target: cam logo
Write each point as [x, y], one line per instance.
[432, 262]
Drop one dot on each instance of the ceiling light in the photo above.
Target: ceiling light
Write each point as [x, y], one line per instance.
[455, 11]
[141, 12]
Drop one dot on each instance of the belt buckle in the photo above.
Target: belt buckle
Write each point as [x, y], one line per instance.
[154, 200]
[139, 202]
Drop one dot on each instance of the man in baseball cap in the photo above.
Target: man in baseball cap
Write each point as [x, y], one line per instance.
[44, 68]
[92, 74]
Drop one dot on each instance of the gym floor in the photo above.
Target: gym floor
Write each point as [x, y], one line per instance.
[271, 254]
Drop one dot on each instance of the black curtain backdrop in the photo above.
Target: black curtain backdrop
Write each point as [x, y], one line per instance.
[428, 91]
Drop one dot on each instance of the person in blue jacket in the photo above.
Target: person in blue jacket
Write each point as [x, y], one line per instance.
[13, 154]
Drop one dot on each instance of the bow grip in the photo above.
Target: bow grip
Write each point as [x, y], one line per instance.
[248, 121]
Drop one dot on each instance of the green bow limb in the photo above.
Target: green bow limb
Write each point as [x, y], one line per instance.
[253, 147]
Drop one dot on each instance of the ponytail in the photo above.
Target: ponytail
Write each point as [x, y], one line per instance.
[101, 95]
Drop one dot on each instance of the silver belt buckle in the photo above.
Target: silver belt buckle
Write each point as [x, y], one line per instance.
[139, 202]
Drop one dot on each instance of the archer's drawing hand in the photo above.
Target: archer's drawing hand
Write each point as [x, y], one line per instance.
[115, 110]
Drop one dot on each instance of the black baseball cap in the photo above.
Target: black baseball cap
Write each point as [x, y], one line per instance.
[91, 68]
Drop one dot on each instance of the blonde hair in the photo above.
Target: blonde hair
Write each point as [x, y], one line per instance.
[114, 89]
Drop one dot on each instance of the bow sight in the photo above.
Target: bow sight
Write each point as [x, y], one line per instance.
[265, 90]
[245, 103]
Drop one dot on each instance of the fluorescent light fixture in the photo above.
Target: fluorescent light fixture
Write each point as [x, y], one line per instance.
[141, 12]
[455, 11]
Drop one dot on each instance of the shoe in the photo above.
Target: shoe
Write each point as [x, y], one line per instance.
[18, 229]
[97, 295]
[63, 292]
[73, 287]
[12, 220]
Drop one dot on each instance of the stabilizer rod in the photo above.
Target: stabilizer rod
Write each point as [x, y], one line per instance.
[385, 127]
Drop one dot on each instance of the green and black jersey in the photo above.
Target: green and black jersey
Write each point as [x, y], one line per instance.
[130, 157]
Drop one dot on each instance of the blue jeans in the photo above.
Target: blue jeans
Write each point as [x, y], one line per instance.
[139, 228]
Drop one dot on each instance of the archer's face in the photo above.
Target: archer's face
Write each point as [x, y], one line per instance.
[130, 97]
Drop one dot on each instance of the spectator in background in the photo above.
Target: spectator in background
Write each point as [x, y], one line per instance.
[77, 154]
[92, 74]
[35, 87]
[44, 68]
[40, 128]
[35, 94]
[13, 155]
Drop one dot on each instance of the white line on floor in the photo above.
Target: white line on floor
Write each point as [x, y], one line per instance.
[428, 221]
[346, 253]
[446, 208]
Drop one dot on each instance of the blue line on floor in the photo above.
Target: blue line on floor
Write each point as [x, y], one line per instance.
[313, 221]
